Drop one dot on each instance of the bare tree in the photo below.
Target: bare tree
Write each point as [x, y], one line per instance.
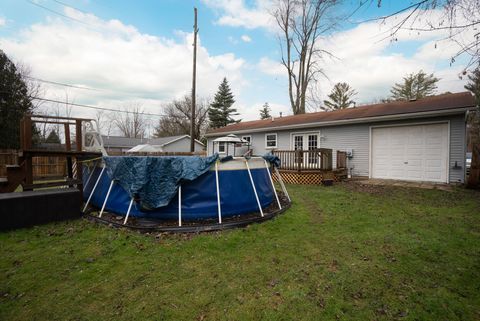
[105, 125]
[131, 123]
[34, 87]
[178, 115]
[302, 23]
[460, 18]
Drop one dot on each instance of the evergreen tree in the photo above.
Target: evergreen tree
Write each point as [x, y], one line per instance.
[415, 86]
[220, 111]
[265, 112]
[474, 84]
[53, 138]
[340, 97]
[14, 102]
[473, 129]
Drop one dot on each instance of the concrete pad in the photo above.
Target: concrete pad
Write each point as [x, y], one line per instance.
[389, 182]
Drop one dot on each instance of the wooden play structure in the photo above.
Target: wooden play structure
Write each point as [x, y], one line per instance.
[21, 174]
[39, 201]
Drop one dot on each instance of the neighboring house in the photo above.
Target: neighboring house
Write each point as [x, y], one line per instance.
[422, 140]
[117, 144]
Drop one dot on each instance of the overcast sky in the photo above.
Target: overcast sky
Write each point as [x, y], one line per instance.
[141, 52]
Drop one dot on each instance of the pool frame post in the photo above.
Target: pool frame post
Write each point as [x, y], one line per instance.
[180, 205]
[94, 187]
[218, 194]
[254, 188]
[128, 211]
[284, 189]
[106, 198]
[91, 174]
[273, 185]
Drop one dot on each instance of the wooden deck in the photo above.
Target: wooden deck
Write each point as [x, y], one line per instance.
[311, 167]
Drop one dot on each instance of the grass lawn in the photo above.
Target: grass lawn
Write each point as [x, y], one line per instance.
[340, 253]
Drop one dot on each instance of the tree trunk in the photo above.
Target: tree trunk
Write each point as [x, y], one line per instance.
[474, 176]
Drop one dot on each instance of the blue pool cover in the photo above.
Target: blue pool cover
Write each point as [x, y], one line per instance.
[199, 197]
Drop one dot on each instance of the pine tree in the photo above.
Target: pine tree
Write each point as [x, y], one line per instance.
[53, 138]
[14, 102]
[340, 97]
[220, 111]
[473, 129]
[415, 86]
[474, 84]
[265, 112]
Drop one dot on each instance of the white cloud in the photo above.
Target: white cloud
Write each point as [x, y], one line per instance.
[246, 38]
[128, 64]
[252, 111]
[236, 13]
[3, 21]
[271, 67]
[372, 64]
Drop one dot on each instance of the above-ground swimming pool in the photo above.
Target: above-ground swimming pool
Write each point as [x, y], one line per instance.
[198, 199]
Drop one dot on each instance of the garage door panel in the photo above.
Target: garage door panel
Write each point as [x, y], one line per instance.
[418, 152]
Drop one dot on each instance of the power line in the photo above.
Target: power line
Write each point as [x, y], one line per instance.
[80, 87]
[63, 15]
[56, 12]
[95, 107]
[67, 5]
[62, 84]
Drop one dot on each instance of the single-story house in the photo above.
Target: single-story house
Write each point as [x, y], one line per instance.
[181, 143]
[421, 140]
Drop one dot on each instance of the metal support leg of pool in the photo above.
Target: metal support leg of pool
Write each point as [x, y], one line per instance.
[281, 184]
[128, 212]
[218, 194]
[180, 205]
[254, 189]
[91, 174]
[94, 187]
[273, 185]
[106, 198]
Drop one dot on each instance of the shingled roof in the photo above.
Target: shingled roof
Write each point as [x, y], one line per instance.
[444, 102]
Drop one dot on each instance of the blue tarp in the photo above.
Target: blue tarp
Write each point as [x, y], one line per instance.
[153, 181]
[272, 159]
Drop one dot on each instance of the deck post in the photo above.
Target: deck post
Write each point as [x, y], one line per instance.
[254, 189]
[128, 212]
[282, 184]
[106, 198]
[218, 194]
[273, 185]
[180, 205]
[93, 190]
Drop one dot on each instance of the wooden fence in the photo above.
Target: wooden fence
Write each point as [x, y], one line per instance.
[43, 167]
[50, 167]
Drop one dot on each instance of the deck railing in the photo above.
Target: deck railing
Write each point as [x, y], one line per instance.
[305, 160]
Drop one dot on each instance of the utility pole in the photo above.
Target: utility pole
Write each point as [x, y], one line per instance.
[192, 124]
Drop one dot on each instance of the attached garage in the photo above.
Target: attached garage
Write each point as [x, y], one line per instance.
[420, 140]
[415, 152]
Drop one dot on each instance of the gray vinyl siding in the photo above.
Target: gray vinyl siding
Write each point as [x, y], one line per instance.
[457, 148]
[182, 145]
[357, 138]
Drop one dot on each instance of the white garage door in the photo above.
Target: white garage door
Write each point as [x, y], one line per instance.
[417, 153]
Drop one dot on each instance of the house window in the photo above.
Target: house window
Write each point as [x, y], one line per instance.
[271, 140]
[248, 139]
[221, 147]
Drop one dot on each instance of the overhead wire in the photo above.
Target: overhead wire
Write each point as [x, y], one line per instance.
[95, 107]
